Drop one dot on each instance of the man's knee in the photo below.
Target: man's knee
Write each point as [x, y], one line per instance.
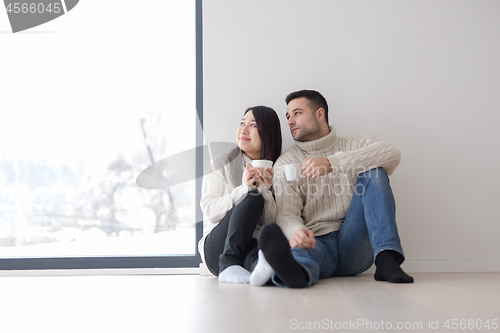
[376, 174]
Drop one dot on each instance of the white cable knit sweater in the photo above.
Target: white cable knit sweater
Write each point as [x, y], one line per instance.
[219, 195]
[321, 205]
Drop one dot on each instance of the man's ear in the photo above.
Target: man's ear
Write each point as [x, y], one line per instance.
[320, 114]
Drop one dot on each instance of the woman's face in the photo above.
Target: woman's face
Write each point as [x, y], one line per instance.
[247, 136]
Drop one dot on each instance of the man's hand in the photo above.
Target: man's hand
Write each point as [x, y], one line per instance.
[315, 167]
[303, 239]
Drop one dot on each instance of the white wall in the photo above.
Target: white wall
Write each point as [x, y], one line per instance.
[422, 75]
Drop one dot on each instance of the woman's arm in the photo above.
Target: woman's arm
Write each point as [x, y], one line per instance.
[216, 196]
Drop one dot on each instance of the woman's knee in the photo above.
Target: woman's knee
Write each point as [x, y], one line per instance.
[254, 199]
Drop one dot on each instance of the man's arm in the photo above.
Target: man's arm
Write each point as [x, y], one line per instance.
[264, 187]
[289, 204]
[371, 154]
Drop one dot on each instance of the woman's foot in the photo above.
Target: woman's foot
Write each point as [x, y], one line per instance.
[262, 272]
[234, 274]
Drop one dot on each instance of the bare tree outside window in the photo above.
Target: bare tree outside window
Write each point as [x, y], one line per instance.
[82, 116]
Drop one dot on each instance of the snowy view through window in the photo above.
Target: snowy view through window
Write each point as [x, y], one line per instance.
[81, 99]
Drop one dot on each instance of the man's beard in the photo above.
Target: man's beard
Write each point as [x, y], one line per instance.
[307, 134]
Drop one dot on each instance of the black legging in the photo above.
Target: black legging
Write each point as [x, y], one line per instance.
[230, 242]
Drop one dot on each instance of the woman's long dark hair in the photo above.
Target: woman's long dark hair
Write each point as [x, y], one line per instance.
[269, 129]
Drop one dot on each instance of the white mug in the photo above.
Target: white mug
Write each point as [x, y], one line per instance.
[261, 164]
[293, 172]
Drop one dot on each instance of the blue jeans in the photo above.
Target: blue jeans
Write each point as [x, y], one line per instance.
[368, 229]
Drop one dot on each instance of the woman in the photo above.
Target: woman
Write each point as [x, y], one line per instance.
[237, 197]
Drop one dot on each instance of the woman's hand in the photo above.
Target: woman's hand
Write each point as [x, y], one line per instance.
[265, 176]
[250, 176]
[253, 175]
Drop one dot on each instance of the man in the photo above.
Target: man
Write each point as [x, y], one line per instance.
[339, 218]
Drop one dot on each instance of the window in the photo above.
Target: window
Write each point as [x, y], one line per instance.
[89, 102]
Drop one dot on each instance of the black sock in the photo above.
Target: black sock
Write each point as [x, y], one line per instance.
[388, 268]
[276, 249]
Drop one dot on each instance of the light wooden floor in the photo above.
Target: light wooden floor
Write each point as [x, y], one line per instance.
[191, 303]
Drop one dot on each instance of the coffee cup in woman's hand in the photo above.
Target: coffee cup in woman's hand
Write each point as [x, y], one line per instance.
[261, 164]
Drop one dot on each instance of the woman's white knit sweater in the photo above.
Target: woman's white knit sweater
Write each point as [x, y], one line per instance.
[220, 195]
[321, 205]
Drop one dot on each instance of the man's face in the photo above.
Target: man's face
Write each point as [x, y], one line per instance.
[302, 120]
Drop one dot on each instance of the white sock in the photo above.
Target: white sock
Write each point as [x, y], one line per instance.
[262, 272]
[234, 274]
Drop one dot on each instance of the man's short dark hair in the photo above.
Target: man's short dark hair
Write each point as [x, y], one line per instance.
[316, 100]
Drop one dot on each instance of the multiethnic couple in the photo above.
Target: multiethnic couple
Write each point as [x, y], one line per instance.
[336, 219]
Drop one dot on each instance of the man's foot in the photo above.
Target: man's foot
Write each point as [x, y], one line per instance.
[262, 272]
[234, 274]
[388, 268]
[276, 249]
